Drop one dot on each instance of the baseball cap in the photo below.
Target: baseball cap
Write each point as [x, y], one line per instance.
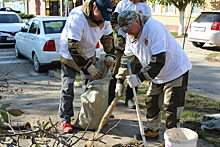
[125, 20]
[105, 6]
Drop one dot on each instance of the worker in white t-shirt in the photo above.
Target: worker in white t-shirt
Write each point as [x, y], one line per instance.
[165, 65]
[85, 26]
[141, 7]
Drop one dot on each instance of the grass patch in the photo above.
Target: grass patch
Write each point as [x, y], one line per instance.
[213, 57]
[195, 108]
[175, 35]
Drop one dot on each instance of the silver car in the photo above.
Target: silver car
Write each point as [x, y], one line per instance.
[205, 29]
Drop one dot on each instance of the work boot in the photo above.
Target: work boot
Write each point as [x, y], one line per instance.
[149, 134]
[130, 103]
[66, 127]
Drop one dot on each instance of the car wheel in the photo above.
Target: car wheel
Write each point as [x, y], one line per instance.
[198, 44]
[37, 66]
[17, 53]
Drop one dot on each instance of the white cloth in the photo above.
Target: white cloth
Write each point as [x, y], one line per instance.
[154, 39]
[211, 122]
[78, 28]
[140, 7]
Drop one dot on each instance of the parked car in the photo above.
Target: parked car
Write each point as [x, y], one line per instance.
[9, 10]
[205, 29]
[10, 23]
[39, 41]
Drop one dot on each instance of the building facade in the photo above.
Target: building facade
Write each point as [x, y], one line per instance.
[42, 7]
[168, 14]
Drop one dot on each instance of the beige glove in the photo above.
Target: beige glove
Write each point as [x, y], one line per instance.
[109, 61]
[94, 72]
[119, 89]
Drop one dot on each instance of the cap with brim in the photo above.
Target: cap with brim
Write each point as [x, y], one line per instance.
[105, 6]
[125, 19]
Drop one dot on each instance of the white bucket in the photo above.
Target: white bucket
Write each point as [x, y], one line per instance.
[180, 137]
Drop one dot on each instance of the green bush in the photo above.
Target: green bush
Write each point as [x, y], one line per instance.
[26, 16]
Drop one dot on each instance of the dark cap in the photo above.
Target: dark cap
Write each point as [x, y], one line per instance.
[105, 6]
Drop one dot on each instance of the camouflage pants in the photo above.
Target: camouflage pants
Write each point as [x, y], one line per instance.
[172, 95]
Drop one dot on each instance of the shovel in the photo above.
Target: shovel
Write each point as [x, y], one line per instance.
[140, 123]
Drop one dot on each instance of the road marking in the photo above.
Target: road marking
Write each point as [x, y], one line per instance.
[6, 53]
[7, 50]
[7, 57]
[15, 61]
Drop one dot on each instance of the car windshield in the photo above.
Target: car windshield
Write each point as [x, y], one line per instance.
[54, 26]
[9, 18]
[208, 17]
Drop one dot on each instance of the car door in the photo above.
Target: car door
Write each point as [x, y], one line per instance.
[32, 38]
[21, 37]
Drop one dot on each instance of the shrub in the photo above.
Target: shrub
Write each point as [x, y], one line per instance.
[26, 16]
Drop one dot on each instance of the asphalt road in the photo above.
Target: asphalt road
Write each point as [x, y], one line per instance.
[204, 78]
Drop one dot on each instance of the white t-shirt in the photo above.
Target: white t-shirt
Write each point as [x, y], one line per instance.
[140, 7]
[154, 39]
[78, 28]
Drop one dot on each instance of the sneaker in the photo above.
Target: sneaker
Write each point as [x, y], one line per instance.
[66, 127]
[149, 134]
[130, 104]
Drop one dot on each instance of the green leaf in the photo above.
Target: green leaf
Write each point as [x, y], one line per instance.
[5, 116]
[45, 125]
[15, 112]
[4, 106]
[1, 123]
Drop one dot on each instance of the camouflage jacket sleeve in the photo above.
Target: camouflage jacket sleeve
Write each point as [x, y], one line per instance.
[108, 45]
[153, 69]
[119, 40]
[77, 54]
[123, 70]
[114, 22]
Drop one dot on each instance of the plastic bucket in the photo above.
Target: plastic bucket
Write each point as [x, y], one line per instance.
[180, 137]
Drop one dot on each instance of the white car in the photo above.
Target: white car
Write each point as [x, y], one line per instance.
[205, 29]
[39, 41]
[10, 23]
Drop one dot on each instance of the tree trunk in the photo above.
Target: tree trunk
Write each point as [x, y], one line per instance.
[181, 23]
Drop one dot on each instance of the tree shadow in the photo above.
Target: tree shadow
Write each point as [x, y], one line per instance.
[215, 5]
[211, 48]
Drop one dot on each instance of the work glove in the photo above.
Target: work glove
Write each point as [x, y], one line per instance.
[119, 89]
[109, 61]
[94, 72]
[133, 80]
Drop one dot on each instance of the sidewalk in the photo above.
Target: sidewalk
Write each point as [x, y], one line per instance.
[125, 130]
[123, 133]
[39, 99]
